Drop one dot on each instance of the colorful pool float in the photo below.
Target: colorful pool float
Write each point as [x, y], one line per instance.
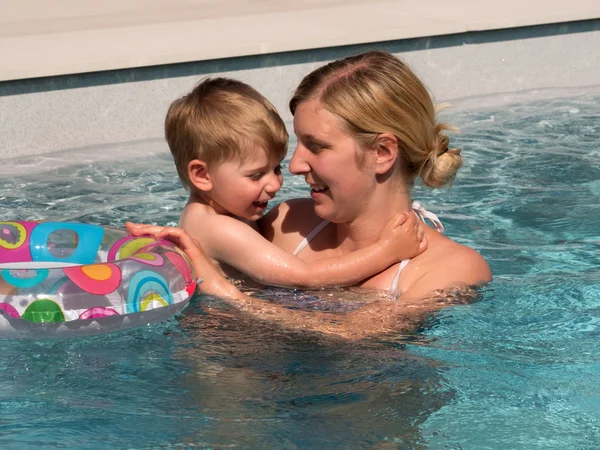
[73, 279]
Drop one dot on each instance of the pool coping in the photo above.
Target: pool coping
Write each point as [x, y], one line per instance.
[22, 165]
[70, 38]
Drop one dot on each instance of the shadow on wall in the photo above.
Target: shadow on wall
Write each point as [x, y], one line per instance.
[54, 83]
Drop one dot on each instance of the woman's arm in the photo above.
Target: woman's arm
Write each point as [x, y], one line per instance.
[376, 318]
[213, 283]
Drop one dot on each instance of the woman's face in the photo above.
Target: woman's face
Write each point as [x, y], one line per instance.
[327, 158]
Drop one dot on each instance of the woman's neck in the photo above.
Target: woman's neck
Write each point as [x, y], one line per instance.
[366, 229]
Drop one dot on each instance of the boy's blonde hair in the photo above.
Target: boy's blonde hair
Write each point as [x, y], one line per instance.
[222, 120]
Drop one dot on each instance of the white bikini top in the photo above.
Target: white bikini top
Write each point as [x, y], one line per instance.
[421, 213]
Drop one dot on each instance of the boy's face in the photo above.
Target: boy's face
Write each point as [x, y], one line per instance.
[243, 189]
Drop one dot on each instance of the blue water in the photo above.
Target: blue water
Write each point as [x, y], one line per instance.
[518, 369]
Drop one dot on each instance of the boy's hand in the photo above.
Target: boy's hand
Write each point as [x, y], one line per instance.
[177, 236]
[142, 229]
[403, 237]
[212, 281]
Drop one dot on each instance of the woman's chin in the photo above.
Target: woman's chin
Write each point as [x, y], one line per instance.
[324, 211]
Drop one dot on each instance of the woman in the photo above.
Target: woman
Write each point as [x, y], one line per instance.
[366, 130]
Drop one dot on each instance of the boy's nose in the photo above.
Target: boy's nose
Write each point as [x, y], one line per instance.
[274, 183]
[298, 164]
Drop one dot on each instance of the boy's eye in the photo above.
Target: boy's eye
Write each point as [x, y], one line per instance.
[277, 169]
[256, 176]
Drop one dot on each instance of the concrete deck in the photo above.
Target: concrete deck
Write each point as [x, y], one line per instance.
[95, 75]
[70, 36]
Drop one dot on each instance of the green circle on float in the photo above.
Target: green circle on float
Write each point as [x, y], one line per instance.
[43, 311]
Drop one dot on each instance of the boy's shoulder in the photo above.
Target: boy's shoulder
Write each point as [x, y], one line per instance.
[200, 220]
[212, 229]
[192, 213]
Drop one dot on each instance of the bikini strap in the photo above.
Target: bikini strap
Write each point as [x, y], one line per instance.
[423, 214]
[310, 237]
[419, 210]
[402, 266]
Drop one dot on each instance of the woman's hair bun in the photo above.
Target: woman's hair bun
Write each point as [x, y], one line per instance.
[442, 164]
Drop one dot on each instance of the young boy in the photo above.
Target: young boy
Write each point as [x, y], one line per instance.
[228, 143]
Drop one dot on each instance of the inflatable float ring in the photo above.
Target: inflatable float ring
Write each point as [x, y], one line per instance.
[73, 279]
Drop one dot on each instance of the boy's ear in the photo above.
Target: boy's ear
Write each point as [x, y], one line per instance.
[386, 148]
[199, 176]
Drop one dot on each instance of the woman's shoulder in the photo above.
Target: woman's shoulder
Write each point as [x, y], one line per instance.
[289, 221]
[467, 262]
[446, 264]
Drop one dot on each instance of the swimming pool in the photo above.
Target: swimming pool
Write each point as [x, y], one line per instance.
[518, 369]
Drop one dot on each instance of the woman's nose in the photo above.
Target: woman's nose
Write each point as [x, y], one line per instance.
[298, 164]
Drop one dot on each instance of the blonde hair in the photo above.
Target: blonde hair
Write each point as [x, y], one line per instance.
[221, 120]
[374, 93]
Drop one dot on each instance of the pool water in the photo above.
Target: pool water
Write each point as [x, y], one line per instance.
[518, 369]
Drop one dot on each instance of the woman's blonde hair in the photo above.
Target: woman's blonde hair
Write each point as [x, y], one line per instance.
[374, 93]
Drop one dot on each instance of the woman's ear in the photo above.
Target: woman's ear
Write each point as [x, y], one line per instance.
[199, 176]
[386, 147]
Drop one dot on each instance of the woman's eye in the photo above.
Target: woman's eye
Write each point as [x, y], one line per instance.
[313, 147]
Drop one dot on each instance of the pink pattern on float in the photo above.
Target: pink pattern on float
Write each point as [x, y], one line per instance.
[112, 253]
[22, 252]
[98, 279]
[81, 287]
[97, 312]
[181, 264]
[191, 288]
[10, 310]
[152, 259]
[129, 246]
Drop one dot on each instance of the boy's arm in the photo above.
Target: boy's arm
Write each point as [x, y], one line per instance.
[232, 242]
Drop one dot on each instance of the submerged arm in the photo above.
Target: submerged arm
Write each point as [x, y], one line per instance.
[344, 325]
[375, 318]
[453, 280]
